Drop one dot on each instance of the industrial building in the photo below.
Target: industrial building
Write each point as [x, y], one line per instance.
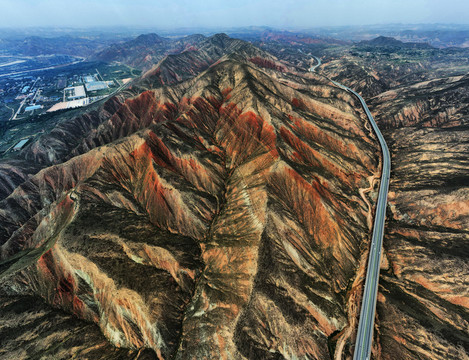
[70, 104]
[88, 79]
[33, 107]
[74, 92]
[96, 85]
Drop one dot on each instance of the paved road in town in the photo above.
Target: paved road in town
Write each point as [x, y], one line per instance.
[368, 309]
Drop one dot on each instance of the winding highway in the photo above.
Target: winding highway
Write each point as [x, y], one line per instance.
[368, 309]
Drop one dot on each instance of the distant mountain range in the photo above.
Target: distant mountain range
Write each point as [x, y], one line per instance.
[66, 45]
[390, 42]
[295, 37]
[437, 35]
[146, 50]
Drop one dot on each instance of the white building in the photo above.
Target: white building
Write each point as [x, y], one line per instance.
[75, 92]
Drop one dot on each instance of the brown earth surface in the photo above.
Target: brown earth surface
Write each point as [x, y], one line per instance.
[423, 303]
[225, 216]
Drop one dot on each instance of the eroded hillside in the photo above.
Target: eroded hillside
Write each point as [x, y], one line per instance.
[423, 304]
[225, 216]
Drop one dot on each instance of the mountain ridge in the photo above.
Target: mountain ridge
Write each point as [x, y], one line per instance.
[390, 42]
[227, 192]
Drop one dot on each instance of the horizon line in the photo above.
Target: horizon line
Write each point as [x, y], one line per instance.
[211, 27]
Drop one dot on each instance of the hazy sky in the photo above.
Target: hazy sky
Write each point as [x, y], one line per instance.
[218, 13]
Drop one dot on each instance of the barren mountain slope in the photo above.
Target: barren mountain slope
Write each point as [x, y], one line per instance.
[146, 50]
[423, 304]
[442, 102]
[115, 117]
[423, 309]
[221, 217]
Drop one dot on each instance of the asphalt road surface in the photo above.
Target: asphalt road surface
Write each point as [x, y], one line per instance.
[368, 309]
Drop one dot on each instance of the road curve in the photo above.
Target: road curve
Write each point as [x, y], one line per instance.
[368, 309]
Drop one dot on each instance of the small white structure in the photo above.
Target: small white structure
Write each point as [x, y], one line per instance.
[33, 107]
[20, 144]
